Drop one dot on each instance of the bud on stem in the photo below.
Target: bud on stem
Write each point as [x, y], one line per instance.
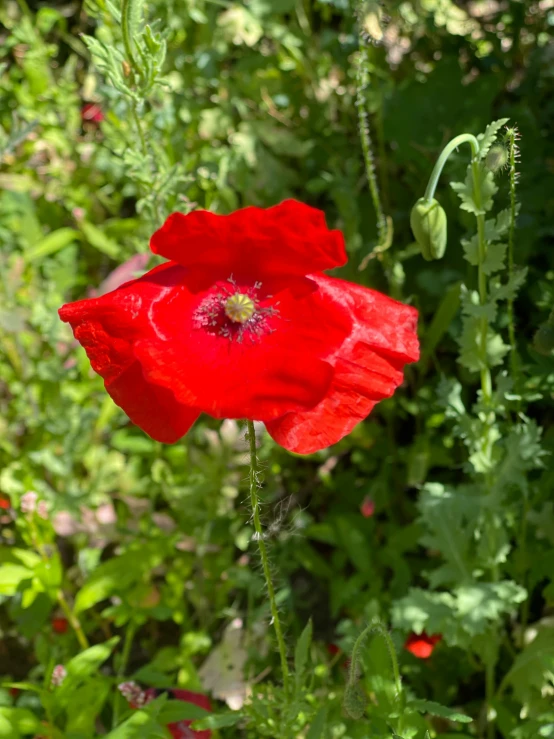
[428, 222]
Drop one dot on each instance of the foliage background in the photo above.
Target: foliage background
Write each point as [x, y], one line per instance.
[151, 543]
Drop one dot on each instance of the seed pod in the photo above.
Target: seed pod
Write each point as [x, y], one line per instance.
[428, 222]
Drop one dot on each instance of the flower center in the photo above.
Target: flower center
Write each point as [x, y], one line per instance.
[239, 308]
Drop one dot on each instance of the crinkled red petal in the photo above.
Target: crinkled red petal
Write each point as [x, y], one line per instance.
[260, 377]
[108, 327]
[288, 239]
[368, 367]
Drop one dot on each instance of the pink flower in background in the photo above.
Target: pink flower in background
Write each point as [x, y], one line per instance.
[92, 113]
[367, 509]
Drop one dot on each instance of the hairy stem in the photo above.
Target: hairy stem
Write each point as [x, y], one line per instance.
[254, 472]
[369, 160]
[486, 384]
[512, 148]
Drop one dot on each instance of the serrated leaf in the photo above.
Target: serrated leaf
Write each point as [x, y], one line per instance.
[466, 191]
[487, 139]
[527, 672]
[480, 604]
[301, 652]
[443, 514]
[472, 307]
[436, 709]
[509, 290]
[495, 258]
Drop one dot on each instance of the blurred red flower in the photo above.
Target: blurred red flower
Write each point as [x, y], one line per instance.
[181, 729]
[5, 504]
[367, 509]
[422, 645]
[242, 323]
[92, 113]
[60, 624]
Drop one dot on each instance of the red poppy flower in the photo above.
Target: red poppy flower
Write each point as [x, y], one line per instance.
[181, 729]
[422, 645]
[5, 504]
[60, 624]
[241, 323]
[92, 113]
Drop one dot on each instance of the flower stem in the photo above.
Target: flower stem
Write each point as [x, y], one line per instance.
[73, 620]
[512, 151]
[445, 153]
[254, 484]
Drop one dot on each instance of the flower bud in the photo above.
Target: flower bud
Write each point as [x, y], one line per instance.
[354, 701]
[428, 222]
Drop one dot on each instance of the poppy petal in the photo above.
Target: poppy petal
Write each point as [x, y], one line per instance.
[288, 239]
[368, 367]
[107, 328]
[261, 377]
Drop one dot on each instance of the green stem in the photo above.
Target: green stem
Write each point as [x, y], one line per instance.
[489, 688]
[363, 123]
[254, 484]
[445, 153]
[512, 133]
[127, 644]
[136, 119]
[73, 620]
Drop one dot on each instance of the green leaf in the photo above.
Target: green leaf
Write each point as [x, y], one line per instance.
[530, 666]
[317, 726]
[218, 721]
[139, 726]
[11, 577]
[19, 720]
[435, 709]
[88, 662]
[444, 315]
[487, 139]
[174, 711]
[480, 604]
[466, 191]
[445, 515]
[97, 238]
[51, 244]
[301, 652]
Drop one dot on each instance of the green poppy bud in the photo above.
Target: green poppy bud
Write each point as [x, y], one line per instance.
[354, 701]
[428, 222]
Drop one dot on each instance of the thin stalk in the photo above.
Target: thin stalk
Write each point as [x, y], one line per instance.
[136, 120]
[126, 651]
[73, 620]
[60, 597]
[512, 150]
[369, 160]
[254, 502]
[489, 691]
